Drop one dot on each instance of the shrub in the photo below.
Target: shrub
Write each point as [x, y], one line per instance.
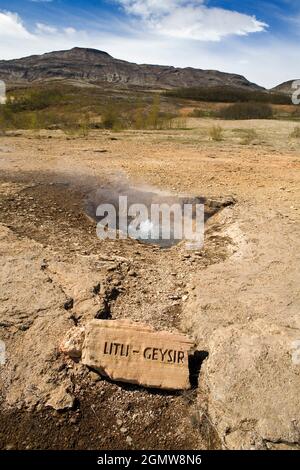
[84, 126]
[216, 133]
[111, 118]
[6, 118]
[247, 136]
[197, 113]
[247, 111]
[139, 118]
[296, 113]
[228, 94]
[24, 120]
[203, 113]
[296, 133]
[178, 123]
[35, 100]
[153, 119]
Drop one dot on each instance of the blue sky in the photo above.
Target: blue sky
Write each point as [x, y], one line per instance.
[258, 39]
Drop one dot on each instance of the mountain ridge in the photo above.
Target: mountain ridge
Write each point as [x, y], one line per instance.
[94, 65]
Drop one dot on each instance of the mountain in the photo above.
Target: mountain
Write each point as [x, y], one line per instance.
[285, 87]
[95, 66]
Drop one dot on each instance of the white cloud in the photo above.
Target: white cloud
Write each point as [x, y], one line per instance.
[11, 26]
[69, 31]
[151, 8]
[17, 41]
[12, 29]
[44, 28]
[191, 19]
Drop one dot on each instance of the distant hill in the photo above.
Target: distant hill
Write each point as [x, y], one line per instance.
[285, 87]
[95, 66]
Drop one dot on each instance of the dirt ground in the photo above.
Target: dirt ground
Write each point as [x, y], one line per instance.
[56, 273]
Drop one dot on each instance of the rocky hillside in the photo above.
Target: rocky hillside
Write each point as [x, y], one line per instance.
[285, 87]
[97, 66]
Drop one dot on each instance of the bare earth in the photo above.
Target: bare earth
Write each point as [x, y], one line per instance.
[238, 298]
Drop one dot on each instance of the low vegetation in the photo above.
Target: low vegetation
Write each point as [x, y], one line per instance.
[247, 136]
[75, 111]
[216, 133]
[36, 99]
[203, 113]
[227, 94]
[247, 111]
[296, 133]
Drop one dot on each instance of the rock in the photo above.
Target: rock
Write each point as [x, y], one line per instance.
[68, 305]
[104, 312]
[132, 273]
[96, 288]
[129, 440]
[73, 341]
[9, 447]
[44, 265]
[74, 420]
[95, 377]
[61, 399]
[253, 381]
[134, 352]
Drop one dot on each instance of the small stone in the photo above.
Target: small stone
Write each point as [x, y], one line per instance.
[74, 420]
[129, 440]
[61, 399]
[68, 305]
[95, 377]
[44, 265]
[24, 327]
[174, 297]
[73, 341]
[132, 273]
[96, 289]
[104, 312]
[119, 422]
[113, 267]
[123, 430]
